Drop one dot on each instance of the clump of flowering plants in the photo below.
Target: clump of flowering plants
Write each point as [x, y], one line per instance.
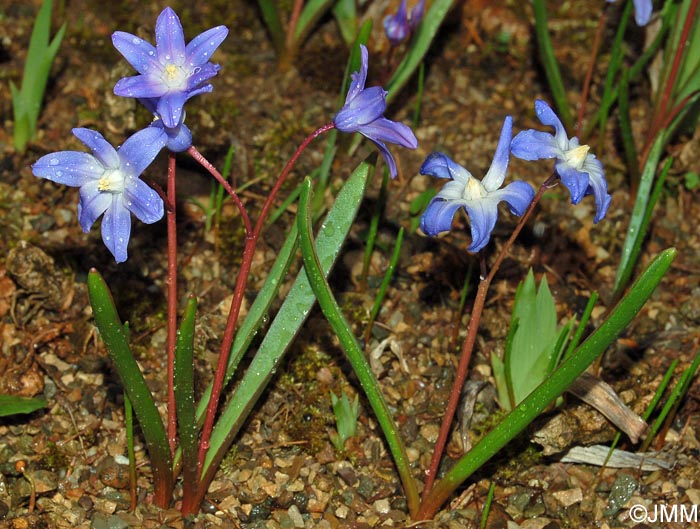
[196, 434]
[194, 439]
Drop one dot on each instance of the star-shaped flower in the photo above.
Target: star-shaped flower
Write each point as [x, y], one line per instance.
[109, 182]
[169, 71]
[579, 170]
[642, 11]
[363, 112]
[480, 199]
[399, 26]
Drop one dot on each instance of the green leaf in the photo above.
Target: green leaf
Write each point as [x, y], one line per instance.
[183, 382]
[420, 44]
[12, 405]
[351, 348]
[114, 335]
[292, 314]
[571, 368]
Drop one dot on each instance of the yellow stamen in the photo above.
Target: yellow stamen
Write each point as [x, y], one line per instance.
[576, 157]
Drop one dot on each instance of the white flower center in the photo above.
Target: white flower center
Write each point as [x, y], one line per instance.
[175, 76]
[474, 190]
[112, 181]
[576, 157]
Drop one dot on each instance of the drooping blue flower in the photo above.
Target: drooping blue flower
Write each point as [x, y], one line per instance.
[480, 199]
[179, 138]
[579, 170]
[109, 182]
[399, 26]
[169, 71]
[642, 11]
[363, 112]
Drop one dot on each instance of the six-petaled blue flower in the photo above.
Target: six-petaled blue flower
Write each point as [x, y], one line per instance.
[399, 26]
[109, 182]
[169, 71]
[363, 112]
[642, 11]
[579, 170]
[479, 198]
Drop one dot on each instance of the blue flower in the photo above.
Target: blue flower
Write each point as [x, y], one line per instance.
[399, 26]
[109, 182]
[642, 11]
[179, 137]
[170, 72]
[363, 112]
[580, 171]
[479, 198]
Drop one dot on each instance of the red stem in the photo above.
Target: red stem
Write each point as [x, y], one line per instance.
[219, 178]
[172, 302]
[191, 505]
[589, 72]
[468, 347]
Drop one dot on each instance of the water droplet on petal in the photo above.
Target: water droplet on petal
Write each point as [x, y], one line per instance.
[136, 40]
[150, 52]
[53, 161]
[59, 173]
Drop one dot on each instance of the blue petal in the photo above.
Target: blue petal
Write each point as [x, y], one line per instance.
[170, 108]
[547, 116]
[179, 138]
[575, 181]
[143, 201]
[70, 168]
[139, 53]
[642, 12]
[207, 88]
[438, 216]
[396, 26]
[518, 195]
[383, 129]
[482, 218]
[116, 228]
[202, 47]
[140, 149]
[92, 204]
[358, 78]
[101, 148]
[499, 166]
[388, 157]
[597, 186]
[452, 190]
[416, 15]
[534, 145]
[441, 166]
[170, 40]
[362, 109]
[201, 74]
[141, 86]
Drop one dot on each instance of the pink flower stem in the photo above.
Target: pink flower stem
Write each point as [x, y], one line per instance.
[252, 236]
[172, 302]
[470, 340]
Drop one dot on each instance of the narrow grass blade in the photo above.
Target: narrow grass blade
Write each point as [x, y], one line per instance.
[268, 9]
[130, 451]
[292, 314]
[523, 414]
[345, 13]
[313, 10]
[373, 227]
[184, 394]
[549, 63]
[636, 229]
[352, 349]
[114, 336]
[420, 44]
[385, 284]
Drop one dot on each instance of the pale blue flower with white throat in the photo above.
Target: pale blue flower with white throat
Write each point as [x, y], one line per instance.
[109, 182]
[579, 170]
[479, 199]
[642, 11]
